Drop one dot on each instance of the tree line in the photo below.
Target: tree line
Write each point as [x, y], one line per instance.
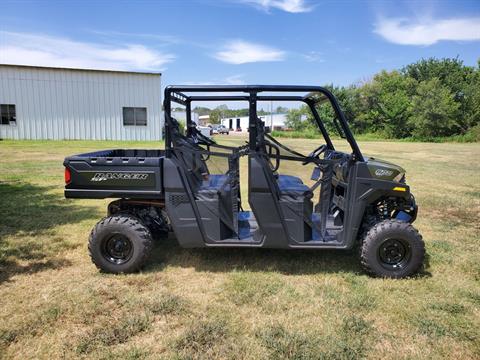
[429, 98]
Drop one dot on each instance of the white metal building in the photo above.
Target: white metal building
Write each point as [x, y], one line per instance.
[59, 103]
[273, 121]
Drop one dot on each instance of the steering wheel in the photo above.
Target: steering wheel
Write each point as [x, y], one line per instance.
[315, 154]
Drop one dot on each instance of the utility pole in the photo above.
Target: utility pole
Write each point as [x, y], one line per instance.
[271, 115]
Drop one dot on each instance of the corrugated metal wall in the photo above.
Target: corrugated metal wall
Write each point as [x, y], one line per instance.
[79, 104]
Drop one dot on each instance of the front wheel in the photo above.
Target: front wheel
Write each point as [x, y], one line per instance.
[120, 244]
[392, 249]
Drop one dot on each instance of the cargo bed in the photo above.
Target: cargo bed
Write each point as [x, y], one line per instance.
[116, 173]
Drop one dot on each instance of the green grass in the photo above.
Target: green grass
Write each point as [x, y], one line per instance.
[471, 136]
[234, 303]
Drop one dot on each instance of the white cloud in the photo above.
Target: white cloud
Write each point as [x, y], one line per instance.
[313, 56]
[159, 38]
[241, 52]
[291, 6]
[234, 80]
[428, 31]
[45, 50]
[230, 80]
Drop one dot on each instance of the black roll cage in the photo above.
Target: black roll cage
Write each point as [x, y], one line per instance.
[176, 93]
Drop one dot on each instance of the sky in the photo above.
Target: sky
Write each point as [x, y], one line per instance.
[239, 41]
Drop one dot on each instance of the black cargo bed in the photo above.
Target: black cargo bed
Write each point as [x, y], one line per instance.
[116, 173]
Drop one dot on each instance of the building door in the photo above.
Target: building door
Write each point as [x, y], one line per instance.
[238, 124]
[230, 124]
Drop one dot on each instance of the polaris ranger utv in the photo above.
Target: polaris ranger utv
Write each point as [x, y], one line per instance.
[193, 187]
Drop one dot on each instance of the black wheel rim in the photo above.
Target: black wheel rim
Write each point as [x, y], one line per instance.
[394, 254]
[117, 249]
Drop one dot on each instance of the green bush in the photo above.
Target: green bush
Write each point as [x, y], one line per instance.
[431, 100]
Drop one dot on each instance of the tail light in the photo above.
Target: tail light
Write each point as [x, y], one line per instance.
[68, 176]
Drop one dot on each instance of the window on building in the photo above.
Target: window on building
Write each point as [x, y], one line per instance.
[8, 115]
[135, 116]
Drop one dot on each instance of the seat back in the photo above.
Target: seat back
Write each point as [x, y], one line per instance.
[217, 194]
[289, 200]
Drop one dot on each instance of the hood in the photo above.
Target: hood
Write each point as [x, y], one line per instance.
[384, 170]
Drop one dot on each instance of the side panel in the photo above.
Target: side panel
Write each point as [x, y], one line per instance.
[178, 202]
[294, 209]
[265, 206]
[114, 178]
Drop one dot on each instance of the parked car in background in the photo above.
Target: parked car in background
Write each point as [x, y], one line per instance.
[222, 129]
[219, 129]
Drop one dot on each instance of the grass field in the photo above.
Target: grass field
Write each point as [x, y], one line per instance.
[224, 303]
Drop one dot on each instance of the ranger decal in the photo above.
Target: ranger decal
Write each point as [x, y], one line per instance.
[383, 172]
[118, 176]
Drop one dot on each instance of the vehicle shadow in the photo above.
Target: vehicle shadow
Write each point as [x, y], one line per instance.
[167, 252]
[29, 215]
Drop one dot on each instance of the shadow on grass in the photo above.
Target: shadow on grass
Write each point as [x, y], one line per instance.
[167, 252]
[28, 217]
[425, 270]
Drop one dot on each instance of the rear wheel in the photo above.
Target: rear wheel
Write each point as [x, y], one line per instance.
[392, 249]
[120, 244]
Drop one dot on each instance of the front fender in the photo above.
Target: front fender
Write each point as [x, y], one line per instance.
[365, 191]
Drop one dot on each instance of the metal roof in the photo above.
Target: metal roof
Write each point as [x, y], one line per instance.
[80, 69]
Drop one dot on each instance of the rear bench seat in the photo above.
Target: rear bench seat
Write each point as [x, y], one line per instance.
[291, 184]
[215, 182]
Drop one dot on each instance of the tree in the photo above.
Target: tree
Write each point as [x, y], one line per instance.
[295, 118]
[470, 102]
[436, 111]
[349, 100]
[450, 72]
[386, 104]
[218, 113]
[462, 81]
[201, 110]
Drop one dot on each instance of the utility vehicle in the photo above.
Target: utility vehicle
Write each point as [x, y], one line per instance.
[193, 188]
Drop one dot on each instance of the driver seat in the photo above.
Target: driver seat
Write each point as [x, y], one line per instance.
[270, 190]
[286, 184]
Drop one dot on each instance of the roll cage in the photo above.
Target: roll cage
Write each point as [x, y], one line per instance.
[185, 94]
